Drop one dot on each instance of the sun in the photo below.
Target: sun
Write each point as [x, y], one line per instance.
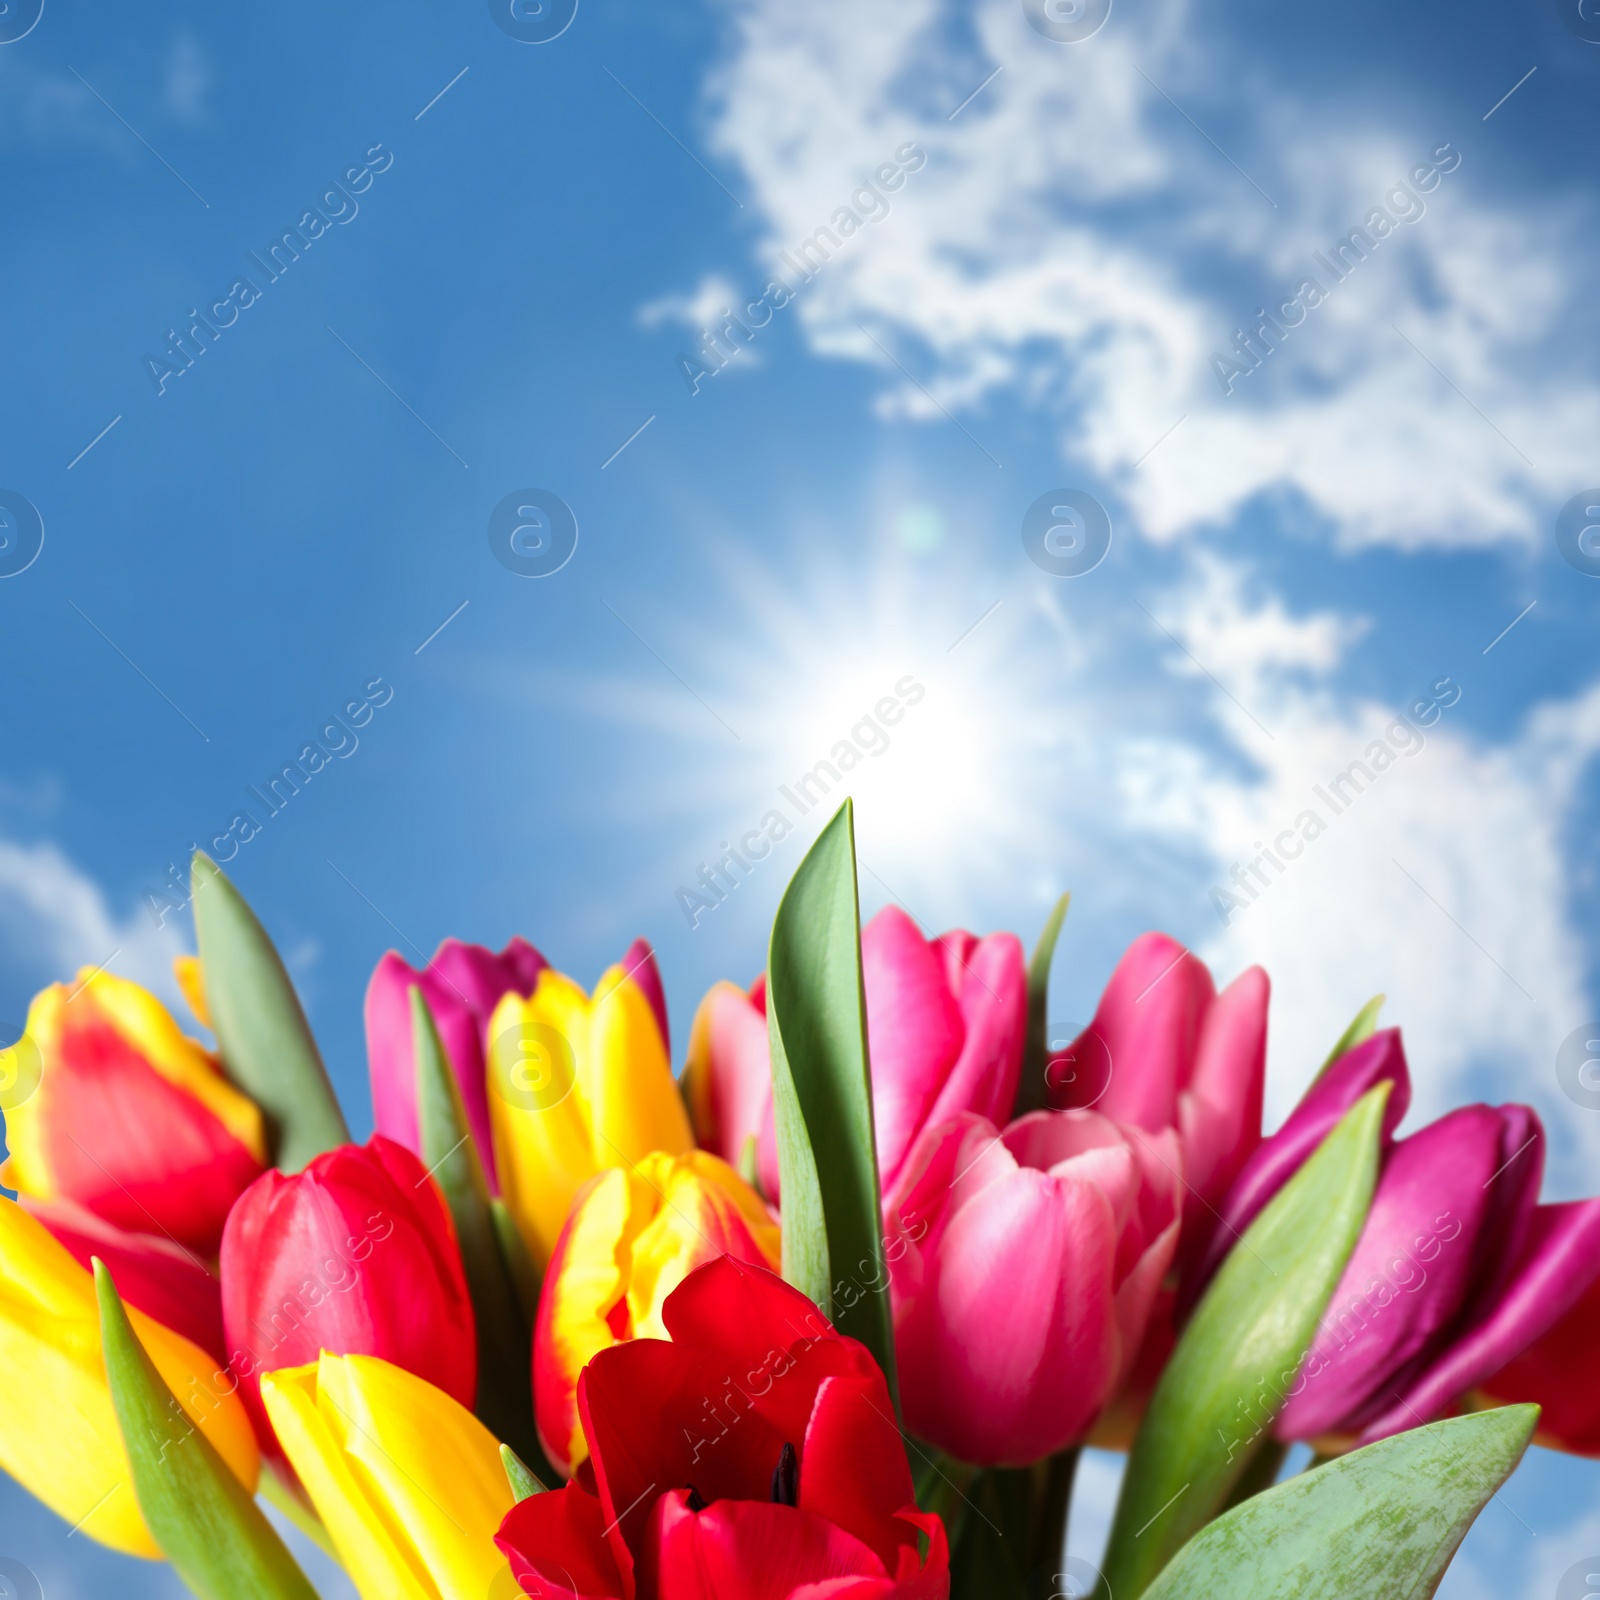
[925, 697]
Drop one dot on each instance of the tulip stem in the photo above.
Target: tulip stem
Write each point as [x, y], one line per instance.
[1261, 1474]
[1053, 1480]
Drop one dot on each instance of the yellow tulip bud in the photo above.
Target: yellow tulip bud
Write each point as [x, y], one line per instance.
[407, 1481]
[576, 1086]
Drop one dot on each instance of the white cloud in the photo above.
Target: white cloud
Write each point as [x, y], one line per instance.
[55, 919]
[1067, 236]
[189, 79]
[1436, 873]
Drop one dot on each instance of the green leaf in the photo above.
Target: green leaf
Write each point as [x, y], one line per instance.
[525, 1277]
[1359, 1031]
[1227, 1378]
[524, 1485]
[1379, 1524]
[505, 1336]
[262, 1034]
[1036, 1053]
[203, 1518]
[822, 1096]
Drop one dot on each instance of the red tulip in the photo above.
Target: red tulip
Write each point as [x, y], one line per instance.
[946, 1023]
[1165, 1050]
[754, 1456]
[356, 1255]
[128, 1116]
[1024, 1267]
[153, 1274]
[462, 985]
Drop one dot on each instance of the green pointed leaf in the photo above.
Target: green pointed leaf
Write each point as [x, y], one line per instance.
[1228, 1376]
[1379, 1524]
[205, 1521]
[524, 1274]
[1036, 1053]
[1359, 1031]
[505, 1337]
[524, 1485]
[822, 1095]
[262, 1034]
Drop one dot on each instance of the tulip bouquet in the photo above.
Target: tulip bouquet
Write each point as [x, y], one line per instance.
[826, 1318]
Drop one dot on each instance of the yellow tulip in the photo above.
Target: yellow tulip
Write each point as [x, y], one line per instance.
[408, 1483]
[58, 1430]
[577, 1086]
[633, 1237]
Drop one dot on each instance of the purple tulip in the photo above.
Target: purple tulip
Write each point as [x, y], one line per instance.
[1458, 1267]
[1274, 1161]
[462, 985]
[1457, 1270]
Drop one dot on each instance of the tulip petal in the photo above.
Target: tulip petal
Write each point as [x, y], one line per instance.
[583, 1288]
[757, 1552]
[160, 1278]
[408, 1482]
[853, 1468]
[1219, 1110]
[639, 964]
[356, 1256]
[729, 1075]
[1149, 1021]
[556, 1544]
[1558, 1373]
[1025, 1251]
[914, 1030]
[992, 991]
[634, 1103]
[1559, 1263]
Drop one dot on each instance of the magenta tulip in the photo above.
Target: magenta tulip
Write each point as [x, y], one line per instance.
[1024, 1267]
[462, 985]
[1380, 1059]
[946, 1022]
[1165, 1050]
[1457, 1270]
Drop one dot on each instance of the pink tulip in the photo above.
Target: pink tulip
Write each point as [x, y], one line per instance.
[1457, 1270]
[462, 985]
[1165, 1050]
[1024, 1268]
[946, 1022]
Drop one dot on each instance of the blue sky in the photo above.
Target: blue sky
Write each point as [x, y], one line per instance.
[535, 241]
